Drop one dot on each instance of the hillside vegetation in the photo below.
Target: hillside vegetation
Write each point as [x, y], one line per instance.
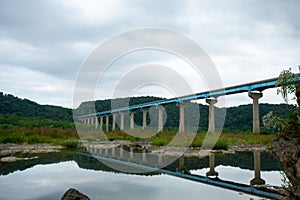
[22, 120]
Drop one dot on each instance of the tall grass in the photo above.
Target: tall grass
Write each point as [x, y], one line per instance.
[69, 138]
[39, 135]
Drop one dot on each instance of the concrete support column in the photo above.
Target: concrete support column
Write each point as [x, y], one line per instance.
[144, 118]
[132, 120]
[255, 96]
[96, 123]
[101, 122]
[211, 116]
[160, 118]
[181, 117]
[257, 179]
[92, 120]
[122, 121]
[114, 121]
[107, 122]
[212, 171]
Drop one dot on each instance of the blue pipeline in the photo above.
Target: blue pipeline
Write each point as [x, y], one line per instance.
[248, 87]
[237, 187]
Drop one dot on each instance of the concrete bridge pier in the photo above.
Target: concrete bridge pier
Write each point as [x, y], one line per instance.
[122, 121]
[92, 120]
[181, 117]
[107, 122]
[132, 119]
[255, 96]
[101, 122]
[144, 111]
[114, 121]
[160, 118]
[96, 123]
[257, 179]
[211, 117]
[212, 171]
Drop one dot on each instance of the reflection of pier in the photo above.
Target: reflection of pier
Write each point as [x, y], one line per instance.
[147, 162]
[212, 171]
[257, 179]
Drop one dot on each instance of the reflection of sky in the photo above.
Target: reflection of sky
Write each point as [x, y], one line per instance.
[52, 180]
[242, 175]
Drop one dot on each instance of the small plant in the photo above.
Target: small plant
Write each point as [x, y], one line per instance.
[71, 143]
[272, 122]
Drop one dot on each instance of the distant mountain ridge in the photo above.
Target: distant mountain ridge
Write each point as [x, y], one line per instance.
[11, 105]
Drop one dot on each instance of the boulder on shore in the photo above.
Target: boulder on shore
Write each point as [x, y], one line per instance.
[287, 151]
[73, 194]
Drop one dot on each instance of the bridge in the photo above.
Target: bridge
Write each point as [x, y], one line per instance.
[254, 90]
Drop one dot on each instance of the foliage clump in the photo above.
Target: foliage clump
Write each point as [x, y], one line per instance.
[288, 83]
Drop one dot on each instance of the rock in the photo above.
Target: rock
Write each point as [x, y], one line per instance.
[73, 194]
[9, 149]
[9, 159]
[14, 158]
[287, 151]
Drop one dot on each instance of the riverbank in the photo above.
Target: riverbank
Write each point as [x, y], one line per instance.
[13, 152]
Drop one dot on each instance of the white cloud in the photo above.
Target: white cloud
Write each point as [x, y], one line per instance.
[40, 87]
[247, 41]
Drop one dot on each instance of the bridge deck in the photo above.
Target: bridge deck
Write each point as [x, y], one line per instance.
[247, 87]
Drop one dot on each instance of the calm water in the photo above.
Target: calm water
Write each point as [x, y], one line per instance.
[51, 175]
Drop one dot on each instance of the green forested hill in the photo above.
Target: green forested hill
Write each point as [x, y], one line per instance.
[16, 112]
[11, 105]
[23, 113]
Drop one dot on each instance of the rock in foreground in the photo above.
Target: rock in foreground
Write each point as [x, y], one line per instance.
[73, 194]
[287, 151]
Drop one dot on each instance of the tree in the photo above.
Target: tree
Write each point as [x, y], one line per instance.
[288, 83]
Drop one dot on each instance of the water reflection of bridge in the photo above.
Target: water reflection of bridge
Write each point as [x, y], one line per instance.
[142, 161]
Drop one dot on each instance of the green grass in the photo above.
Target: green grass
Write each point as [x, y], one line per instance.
[64, 137]
[69, 138]
[162, 139]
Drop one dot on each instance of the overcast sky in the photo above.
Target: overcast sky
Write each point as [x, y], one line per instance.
[43, 43]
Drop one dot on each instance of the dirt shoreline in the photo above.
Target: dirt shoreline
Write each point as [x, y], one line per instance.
[8, 151]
